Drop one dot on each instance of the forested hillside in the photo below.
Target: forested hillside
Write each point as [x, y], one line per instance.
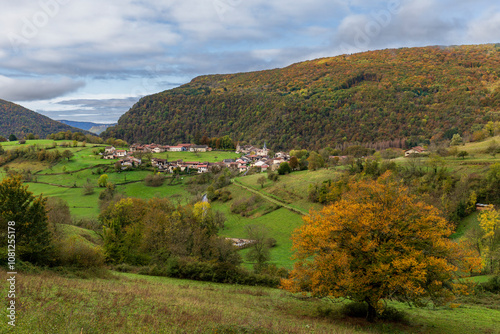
[17, 120]
[410, 93]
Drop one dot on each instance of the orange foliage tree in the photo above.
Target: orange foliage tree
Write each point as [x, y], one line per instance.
[378, 242]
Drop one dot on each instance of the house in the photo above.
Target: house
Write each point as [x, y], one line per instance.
[415, 150]
[262, 151]
[482, 207]
[186, 146]
[202, 168]
[130, 162]
[109, 150]
[282, 155]
[242, 168]
[158, 149]
[120, 153]
[198, 148]
[177, 148]
[159, 163]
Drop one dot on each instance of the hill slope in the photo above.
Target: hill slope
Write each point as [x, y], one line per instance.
[17, 120]
[414, 93]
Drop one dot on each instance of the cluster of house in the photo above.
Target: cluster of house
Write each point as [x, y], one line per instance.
[242, 164]
[154, 148]
[126, 160]
[253, 157]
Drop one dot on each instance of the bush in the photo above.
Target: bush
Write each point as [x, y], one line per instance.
[208, 271]
[493, 285]
[154, 180]
[88, 189]
[124, 268]
[273, 176]
[244, 206]
[75, 252]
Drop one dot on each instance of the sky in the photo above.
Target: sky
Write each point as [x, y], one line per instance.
[91, 60]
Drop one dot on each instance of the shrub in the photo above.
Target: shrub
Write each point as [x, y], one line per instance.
[76, 252]
[493, 284]
[154, 180]
[244, 206]
[273, 176]
[88, 189]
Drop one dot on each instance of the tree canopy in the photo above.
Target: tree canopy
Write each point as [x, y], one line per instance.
[33, 238]
[378, 242]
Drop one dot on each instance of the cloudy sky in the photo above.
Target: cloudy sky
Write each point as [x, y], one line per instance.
[91, 60]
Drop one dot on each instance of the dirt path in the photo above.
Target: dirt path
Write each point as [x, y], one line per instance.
[269, 199]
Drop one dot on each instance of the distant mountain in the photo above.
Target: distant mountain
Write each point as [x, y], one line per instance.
[17, 120]
[408, 93]
[96, 128]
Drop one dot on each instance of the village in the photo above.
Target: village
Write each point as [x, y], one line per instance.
[251, 157]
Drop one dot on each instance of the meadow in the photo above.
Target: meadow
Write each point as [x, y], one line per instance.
[49, 302]
[60, 301]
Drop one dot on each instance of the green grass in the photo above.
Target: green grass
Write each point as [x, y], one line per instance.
[80, 234]
[280, 223]
[291, 189]
[129, 303]
[466, 224]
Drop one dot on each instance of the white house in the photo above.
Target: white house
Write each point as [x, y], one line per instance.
[109, 150]
[177, 148]
[120, 153]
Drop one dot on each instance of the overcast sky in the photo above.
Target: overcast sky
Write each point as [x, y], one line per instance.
[91, 60]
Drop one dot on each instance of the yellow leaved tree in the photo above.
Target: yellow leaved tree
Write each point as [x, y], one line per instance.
[377, 243]
[489, 221]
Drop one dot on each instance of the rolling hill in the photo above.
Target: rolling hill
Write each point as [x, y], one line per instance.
[17, 120]
[409, 93]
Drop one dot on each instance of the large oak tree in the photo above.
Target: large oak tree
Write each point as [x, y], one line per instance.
[378, 242]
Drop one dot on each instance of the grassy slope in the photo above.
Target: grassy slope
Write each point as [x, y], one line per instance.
[129, 303]
[84, 165]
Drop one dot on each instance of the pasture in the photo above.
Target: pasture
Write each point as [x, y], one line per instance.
[129, 303]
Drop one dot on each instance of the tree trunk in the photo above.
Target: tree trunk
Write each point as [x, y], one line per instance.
[372, 312]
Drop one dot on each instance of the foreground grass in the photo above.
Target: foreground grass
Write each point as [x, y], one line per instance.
[128, 303]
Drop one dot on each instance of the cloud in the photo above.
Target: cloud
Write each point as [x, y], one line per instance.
[36, 89]
[116, 41]
[485, 29]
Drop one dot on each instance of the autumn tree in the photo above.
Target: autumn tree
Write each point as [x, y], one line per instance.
[19, 205]
[489, 221]
[103, 180]
[378, 242]
[315, 160]
[294, 162]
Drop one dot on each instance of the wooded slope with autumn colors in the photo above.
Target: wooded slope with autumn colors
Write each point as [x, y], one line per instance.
[17, 120]
[410, 93]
